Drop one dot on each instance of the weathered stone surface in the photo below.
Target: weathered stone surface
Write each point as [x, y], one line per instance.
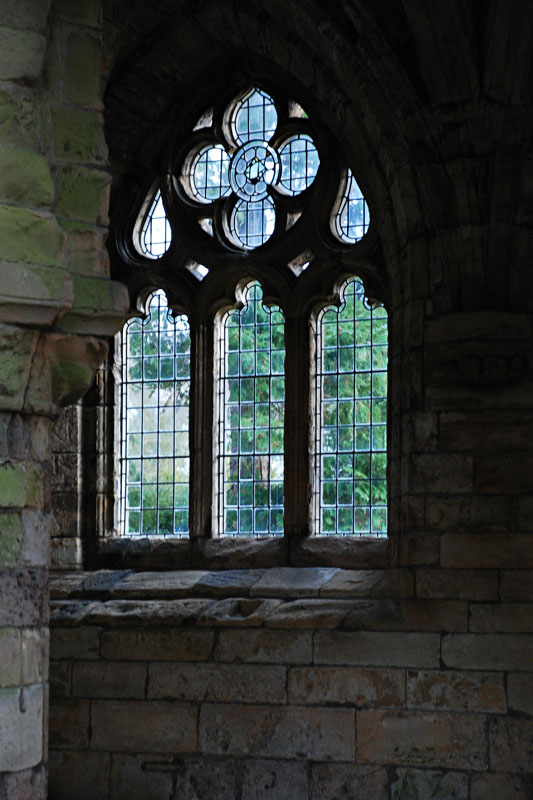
[264, 646]
[10, 539]
[511, 744]
[160, 645]
[486, 651]
[520, 692]
[68, 643]
[24, 603]
[63, 585]
[25, 177]
[83, 194]
[348, 782]
[24, 784]
[276, 732]
[377, 649]
[314, 551]
[141, 777]
[346, 686]
[238, 612]
[22, 54]
[422, 739]
[108, 679]
[122, 613]
[274, 780]
[460, 584]
[10, 657]
[369, 583]
[78, 134]
[472, 513]
[309, 614]
[501, 787]
[154, 727]
[209, 777]
[246, 683]
[83, 68]
[417, 783]
[442, 473]
[85, 250]
[516, 585]
[151, 585]
[21, 727]
[20, 485]
[60, 678]
[30, 14]
[292, 582]
[507, 473]
[69, 724]
[98, 307]
[30, 236]
[459, 691]
[88, 772]
[35, 651]
[227, 583]
[408, 615]
[491, 550]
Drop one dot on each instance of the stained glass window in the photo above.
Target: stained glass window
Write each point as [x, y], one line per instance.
[251, 413]
[351, 417]
[155, 422]
[156, 233]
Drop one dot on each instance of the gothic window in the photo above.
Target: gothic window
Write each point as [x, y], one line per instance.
[253, 382]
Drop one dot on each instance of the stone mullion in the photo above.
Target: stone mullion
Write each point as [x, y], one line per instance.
[201, 524]
[297, 427]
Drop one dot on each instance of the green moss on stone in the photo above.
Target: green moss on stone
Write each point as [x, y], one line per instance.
[76, 134]
[25, 177]
[85, 251]
[83, 194]
[17, 347]
[21, 54]
[10, 539]
[20, 486]
[82, 10]
[30, 236]
[83, 69]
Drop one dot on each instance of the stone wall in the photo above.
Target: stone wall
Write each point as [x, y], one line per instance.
[292, 683]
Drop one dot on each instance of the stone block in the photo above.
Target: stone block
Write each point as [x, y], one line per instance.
[504, 618]
[10, 657]
[520, 692]
[408, 615]
[22, 592]
[24, 14]
[273, 780]
[264, 646]
[158, 645]
[147, 613]
[516, 585]
[78, 135]
[25, 177]
[220, 778]
[456, 691]
[443, 472]
[486, 651]
[98, 307]
[511, 744]
[369, 648]
[65, 472]
[501, 787]
[35, 650]
[21, 484]
[508, 473]
[25, 784]
[152, 585]
[69, 724]
[141, 777]
[145, 727]
[21, 54]
[412, 784]
[472, 513]
[369, 583]
[87, 772]
[108, 680]
[10, 539]
[292, 582]
[83, 68]
[228, 583]
[87, 11]
[424, 739]
[85, 249]
[459, 584]
[278, 732]
[74, 643]
[60, 678]
[348, 782]
[346, 686]
[30, 236]
[486, 550]
[319, 613]
[223, 683]
[66, 553]
[239, 612]
[83, 194]
[415, 549]
[21, 728]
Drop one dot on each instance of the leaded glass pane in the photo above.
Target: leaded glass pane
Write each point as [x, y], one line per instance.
[351, 418]
[209, 174]
[299, 164]
[252, 224]
[155, 235]
[255, 117]
[251, 403]
[155, 423]
[351, 217]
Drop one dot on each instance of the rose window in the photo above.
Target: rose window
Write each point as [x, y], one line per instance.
[260, 160]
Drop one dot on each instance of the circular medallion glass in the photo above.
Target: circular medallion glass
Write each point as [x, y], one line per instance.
[253, 168]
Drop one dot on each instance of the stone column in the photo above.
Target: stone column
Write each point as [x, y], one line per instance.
[56, 305]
